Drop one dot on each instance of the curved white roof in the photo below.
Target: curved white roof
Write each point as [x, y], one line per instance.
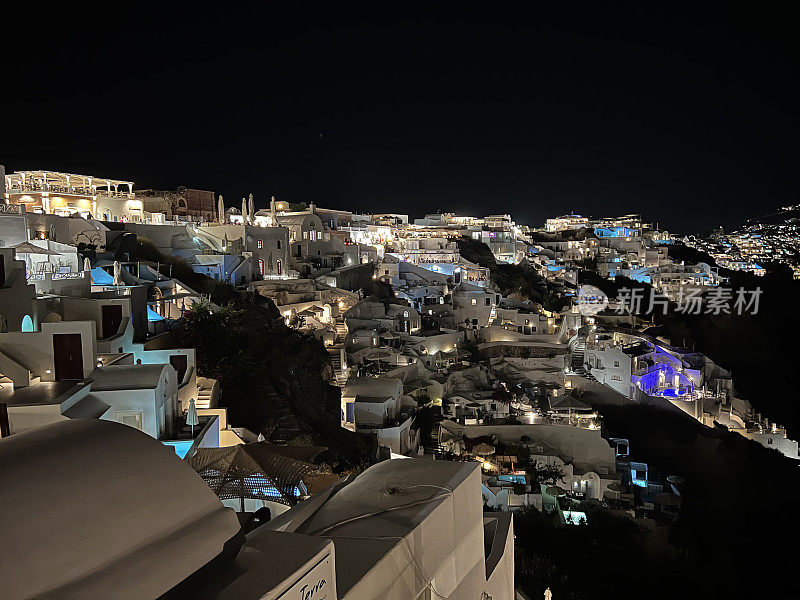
[95, 509]
[127, 377]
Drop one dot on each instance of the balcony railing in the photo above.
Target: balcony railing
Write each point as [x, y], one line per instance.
[58, 189]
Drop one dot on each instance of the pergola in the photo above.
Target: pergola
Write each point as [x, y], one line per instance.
[22, 181]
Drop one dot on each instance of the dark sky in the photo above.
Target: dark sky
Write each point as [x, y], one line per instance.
[690, 118]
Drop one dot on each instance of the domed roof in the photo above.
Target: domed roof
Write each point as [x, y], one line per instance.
[92, 509]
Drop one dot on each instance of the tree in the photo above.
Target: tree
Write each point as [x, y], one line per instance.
[274, 380]
[549, 473]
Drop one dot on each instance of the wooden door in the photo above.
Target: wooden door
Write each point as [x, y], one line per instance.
[180, 363]
[68, 356]
[112, 319]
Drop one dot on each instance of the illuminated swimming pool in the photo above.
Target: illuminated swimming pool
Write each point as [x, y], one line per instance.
[671, 393]
[512, 478]
[181, 447]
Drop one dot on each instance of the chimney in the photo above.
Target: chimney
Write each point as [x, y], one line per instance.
[312, 208]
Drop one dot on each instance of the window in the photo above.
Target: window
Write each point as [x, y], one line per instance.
[474, 302]
[260, 266]
[616, 363]
[279, 264]
[130, 418]
[351, 412]
[260, 244]
[279, 244]
[488, 301]
[616, 378]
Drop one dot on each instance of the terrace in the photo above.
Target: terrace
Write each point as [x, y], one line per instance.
[50, 182]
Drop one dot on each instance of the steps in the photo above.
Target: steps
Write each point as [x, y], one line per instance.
[578, 360]
[340, 374]
[341, 330]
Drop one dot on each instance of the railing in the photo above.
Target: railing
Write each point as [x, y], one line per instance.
[69, 190]
[54, 276]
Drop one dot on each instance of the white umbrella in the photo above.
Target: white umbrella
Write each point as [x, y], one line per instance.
[251, 213]
[87, 264]
[117, 273]
[221, 210]
[244, 211]
[191, 415]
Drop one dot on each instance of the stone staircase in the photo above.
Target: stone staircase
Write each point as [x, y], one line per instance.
[340, 374]
[207, 393]
[578, 359]
[341, 330]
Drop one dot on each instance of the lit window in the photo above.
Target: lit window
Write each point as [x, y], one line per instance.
[260, 244]
[260, 266]
[474, 302]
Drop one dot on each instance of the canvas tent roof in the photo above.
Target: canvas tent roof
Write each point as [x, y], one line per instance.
[373, 519]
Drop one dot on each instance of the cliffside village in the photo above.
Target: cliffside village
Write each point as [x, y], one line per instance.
[482, 403]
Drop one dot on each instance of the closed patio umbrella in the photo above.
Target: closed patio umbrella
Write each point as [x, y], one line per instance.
[117, 273]
[191, 416]
[221, 210]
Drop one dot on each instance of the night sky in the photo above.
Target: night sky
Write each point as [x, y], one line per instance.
[689, 118]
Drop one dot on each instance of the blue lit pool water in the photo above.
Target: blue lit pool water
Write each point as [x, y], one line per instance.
[181, 447]
[512, 478]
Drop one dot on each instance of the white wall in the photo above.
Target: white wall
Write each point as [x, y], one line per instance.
[34, 350]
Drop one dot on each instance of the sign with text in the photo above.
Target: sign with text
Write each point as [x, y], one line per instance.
[317, 584]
